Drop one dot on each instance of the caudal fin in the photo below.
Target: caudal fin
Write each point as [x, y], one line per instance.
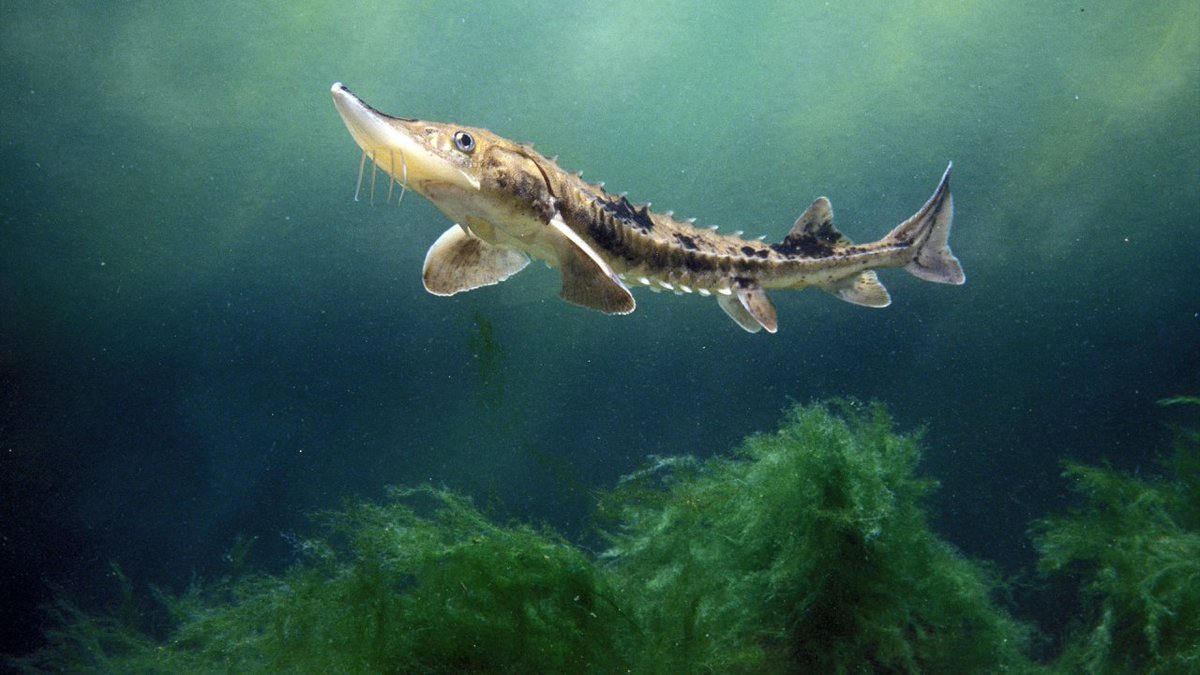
[928, 232]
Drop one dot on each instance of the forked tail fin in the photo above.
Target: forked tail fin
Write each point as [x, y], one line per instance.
[928, 231]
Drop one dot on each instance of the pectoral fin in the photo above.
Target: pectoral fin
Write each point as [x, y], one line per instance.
[863, 289]
[459, 261]
[750, 307]
[587, 280]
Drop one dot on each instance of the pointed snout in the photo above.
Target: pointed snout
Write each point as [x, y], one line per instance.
[368, 126]
[404, 148]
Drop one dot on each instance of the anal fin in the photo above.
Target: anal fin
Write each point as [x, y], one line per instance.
[459, 261]
[587, 280]
[863, 289]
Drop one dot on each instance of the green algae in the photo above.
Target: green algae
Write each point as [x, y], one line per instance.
[1135, 544]
[808, 550]
[489, 362]
[420, 584]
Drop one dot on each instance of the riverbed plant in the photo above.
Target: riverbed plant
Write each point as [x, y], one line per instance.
[806, 550]
[422, 583]
[1134, 546]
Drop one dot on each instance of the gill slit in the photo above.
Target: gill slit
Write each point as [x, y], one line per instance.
[545, 177]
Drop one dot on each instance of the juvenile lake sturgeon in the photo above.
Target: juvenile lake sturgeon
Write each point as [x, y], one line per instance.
[510, 203]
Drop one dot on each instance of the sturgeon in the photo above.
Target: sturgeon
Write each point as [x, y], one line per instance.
[510, 204]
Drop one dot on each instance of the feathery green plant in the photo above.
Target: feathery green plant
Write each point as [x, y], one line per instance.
[808, 551]
[1136, 544]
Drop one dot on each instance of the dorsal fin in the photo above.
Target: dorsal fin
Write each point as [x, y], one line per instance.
[813, 235]
[817, 221]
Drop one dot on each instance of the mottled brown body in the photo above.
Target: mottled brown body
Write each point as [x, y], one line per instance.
[511, 203]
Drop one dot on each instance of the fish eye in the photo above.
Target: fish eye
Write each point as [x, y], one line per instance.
[464, 141]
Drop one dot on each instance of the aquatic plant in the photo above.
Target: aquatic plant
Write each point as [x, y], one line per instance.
[80, 642]
[488, 353]
[1135, 543]
[807, 552]
[388, 590]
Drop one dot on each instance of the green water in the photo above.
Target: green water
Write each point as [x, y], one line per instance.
[202, 334]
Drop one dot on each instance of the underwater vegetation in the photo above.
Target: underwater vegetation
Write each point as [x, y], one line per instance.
[489, 360]
[806, 550]
[1135, 544]
[385, 590]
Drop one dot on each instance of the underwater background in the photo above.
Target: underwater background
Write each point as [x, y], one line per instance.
[204, 338]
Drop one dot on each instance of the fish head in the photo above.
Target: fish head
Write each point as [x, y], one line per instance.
[470, 174]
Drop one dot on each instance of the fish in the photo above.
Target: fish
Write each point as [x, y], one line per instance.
[510, 204]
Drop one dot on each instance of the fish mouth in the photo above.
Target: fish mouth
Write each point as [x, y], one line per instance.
[396, 145]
